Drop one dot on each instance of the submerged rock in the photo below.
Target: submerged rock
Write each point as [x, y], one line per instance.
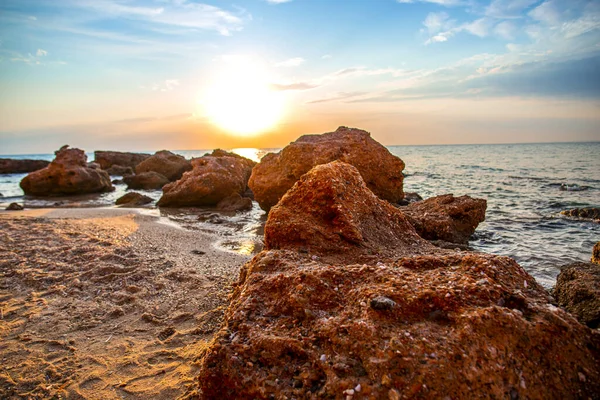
[14, 207]
[12, 166]
[447, 218]
[107, 159]
[386, 322]
[578, 291]
[409, 198]
[583, 213]
[119, 170]
[168, 164]
[277, 173]
[212, 179]
[68, 174]
[145, 181]
[133, 199]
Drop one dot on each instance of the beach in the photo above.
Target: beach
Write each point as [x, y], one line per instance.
[106, 303]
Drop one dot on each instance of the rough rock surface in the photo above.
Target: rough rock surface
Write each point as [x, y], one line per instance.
[68, 174]
[411, 321]
[277, 173]
[211, 180]
[410, 198]
[583, 213]
[145, 181]
[235, 202]
[448, 218]
[578, 291]
[133, 199]
[14, 207]
[107, 159]
[168, 164]
[119, 170]
[596, 253]
[10, 166]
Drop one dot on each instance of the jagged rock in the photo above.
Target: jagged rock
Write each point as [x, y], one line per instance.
[301, 324]
[277, 173]
[578, 291]
[119, 170]
[12, 166]
[145, 181]
[168, 164]
[14, 207]
[235, 202]
[596, 253]
[448, 218]
[211, 180]
[68, 174]
[133, 199]
[107, 159]
[583, 213]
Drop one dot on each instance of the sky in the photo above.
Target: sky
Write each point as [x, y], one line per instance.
[143, 75]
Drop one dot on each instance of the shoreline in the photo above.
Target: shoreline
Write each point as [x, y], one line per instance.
[159, 293]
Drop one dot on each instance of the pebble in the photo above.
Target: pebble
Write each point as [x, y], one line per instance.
[382, 303]
[358, 388]
[323, 358]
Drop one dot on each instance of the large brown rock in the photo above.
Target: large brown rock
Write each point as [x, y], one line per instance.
[168, 164]
[446, 218]
[277, 173]
[596, 253]
[119, 170]
[409, 321]
[12, 166]
[145, 181]
[107, 159]
[583, 213]
[133, 199]
[212, 179]
[578, 291]
[68, 174]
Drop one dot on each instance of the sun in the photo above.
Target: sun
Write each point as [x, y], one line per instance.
[241, 100]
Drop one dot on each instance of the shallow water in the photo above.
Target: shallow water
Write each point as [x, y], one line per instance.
[526, 186]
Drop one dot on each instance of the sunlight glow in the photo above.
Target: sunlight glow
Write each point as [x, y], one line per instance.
[240, 99]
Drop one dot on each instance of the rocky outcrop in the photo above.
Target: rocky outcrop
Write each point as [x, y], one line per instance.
[578, 291]
[406, 320]
[277, 173]
[68, 174]
[145, 181]
[119, 170]
[133, 199]
[168, 164]
[235, 202]
[211, 180]
[14, 207]
[447, 218]
[583, 213]
[107, 159]
[12, 166]
[596, 253]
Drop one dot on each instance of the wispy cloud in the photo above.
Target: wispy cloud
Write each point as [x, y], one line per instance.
[292, 62]
[165, 86]
[278, 1]
[41, 53]
[294, 86]
[447, 3]
[337, 97]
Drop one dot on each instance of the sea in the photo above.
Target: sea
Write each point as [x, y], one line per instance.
[525, 185]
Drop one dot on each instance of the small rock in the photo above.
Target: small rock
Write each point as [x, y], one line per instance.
[14, 207]
[133, 199]
[382, 303]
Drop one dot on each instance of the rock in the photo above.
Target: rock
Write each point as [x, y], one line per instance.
[118, 182]
[409, 198]
[596, 253]
[107, 159]
[145, 181]
[13, 166]
[68, 174]
[572, 187]
[583, 213]
[14, 207]
[119, 170]
[93, 165]
[301, 325]
[168, 164]
[211, 180]
[277, 173]
[235, 202]
[578, 291]
[448, 218]
[133, 199]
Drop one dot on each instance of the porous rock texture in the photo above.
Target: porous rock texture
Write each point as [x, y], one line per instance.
[119, 170]
[596, 254]
[12, 166]
[406, 321]
[277, 173]
[107, 159]
[578, 291]
[145, 181]
[168, 164]
[212, 179]
[67, 174]
[447, 218]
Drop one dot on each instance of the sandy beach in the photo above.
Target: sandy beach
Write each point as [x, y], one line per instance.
[106, 304]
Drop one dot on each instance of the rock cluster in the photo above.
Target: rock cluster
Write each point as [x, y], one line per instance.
[213, 179]
[583, 213]
[145, 181]
[347, 301]
[277, 173]
[12, 166]
[170, 165]
[67, 174]
[108, 159]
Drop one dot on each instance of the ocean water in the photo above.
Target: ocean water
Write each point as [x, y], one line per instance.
[524, 185]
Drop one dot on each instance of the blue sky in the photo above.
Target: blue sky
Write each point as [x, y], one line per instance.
[129, 74]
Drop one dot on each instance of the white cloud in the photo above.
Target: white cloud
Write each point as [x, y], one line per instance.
[278, 1]
[547, 12]
[506, 30]
[327, 56]
[436, 22]
[292, 62]
[166, 86]
[41, 53]
[508, 8]
[447, 3]
[479, 27]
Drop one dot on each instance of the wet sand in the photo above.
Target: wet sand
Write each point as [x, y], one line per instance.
[106, 304]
